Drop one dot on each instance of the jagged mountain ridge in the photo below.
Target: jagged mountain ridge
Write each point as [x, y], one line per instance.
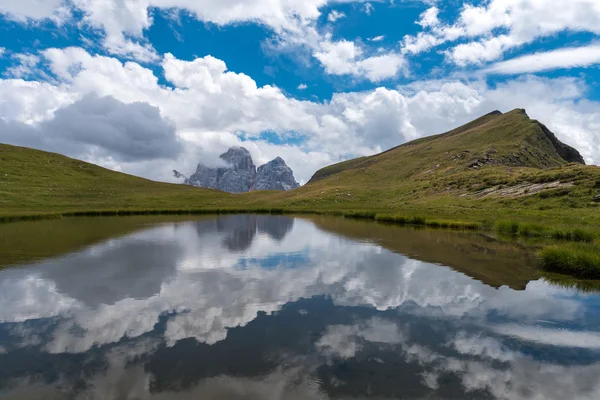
[241, 174]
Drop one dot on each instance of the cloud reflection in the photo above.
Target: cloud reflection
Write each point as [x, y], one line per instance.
[200, 280]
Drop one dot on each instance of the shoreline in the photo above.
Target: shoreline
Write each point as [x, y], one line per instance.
[571, 251]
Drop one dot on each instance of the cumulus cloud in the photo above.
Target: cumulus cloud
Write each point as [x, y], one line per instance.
[102, 126]
[213, 108]
[521, 21]
[31, 9]
[123, 23]
[26, 65]
[346, 58]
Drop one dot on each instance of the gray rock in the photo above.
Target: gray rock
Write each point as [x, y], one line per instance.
[241, 175]
[596, 198]
[275, 175]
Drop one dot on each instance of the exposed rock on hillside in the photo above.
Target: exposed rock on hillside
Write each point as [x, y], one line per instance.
[241, 175]
[567, 152]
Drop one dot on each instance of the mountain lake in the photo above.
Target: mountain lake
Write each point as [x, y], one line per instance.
[281, 307]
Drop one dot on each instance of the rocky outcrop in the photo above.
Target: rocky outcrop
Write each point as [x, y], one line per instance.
[567, 152]
[274, 175]
[240, 174]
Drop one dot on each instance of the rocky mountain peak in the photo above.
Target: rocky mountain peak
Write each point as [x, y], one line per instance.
[275, 175]
[239, 158]
[241, 174]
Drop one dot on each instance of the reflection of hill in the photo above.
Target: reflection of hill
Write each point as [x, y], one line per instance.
[240, 230]
[485, 259]
[28, 241]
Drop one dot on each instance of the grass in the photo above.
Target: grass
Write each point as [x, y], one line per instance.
[499, 173]
[579, 259]
[530, 230]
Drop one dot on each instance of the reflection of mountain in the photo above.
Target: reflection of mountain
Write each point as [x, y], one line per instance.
[240, 230]
[255, 307]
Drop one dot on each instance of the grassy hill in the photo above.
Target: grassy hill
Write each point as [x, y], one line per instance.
[500, 166]
[33, 181]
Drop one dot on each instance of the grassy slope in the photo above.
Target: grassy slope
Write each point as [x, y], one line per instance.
[433, 176]
[33, 181]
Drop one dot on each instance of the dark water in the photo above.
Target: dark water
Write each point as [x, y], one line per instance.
[270, 307]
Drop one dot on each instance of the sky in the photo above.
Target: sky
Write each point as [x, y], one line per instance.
[148, 86]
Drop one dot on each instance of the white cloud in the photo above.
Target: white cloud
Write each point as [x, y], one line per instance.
[302, 86]
[429, 18]
[346, 58]
[26, 67]
[378, 68]
[334, 15]
[2, 51]
[481, 52]
[570, 57]
[338, 58]
[377, 38]
[368, 8]
[521, 21]
[211, 105]
[22, 10]
[124, 23]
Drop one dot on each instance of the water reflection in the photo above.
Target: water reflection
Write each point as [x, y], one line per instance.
[271, 307]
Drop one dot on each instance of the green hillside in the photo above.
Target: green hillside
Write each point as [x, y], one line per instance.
[34, 181]
[500, 166]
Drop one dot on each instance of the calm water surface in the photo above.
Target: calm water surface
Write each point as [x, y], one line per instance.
[274, 307]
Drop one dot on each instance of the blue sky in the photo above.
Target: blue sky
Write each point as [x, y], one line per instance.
[312, 81]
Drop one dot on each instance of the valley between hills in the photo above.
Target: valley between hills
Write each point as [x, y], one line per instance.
[502, 172]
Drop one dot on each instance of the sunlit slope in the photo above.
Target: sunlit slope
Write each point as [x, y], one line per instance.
[510, 140]
[38, 181]
[503, 162]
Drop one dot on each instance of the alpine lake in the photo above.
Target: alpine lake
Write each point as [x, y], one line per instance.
[282, 307]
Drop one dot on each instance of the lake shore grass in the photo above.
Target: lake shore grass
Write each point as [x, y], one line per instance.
[578, 259]
[572, 250]
[39, 185]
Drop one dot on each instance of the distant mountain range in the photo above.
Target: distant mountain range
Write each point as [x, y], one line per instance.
[241, 175]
